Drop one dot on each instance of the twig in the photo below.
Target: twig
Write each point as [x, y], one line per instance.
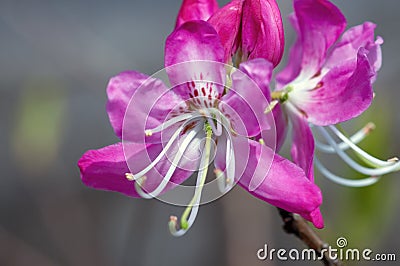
[294, 224]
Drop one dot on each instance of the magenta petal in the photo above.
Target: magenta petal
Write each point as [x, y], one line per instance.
[196, 10]
[315, 217]
[293, 66]
[303, 144]
[351, 41]
[375, 53]
[119, 91]
[194, 40]
[343, 93]
[246, 101]
[284, 186]
[227, 21]
[262, 31]
[105, 169]
[320, 24]
[281, 126]
[150, 105]
[197, 44]
[188, 163]
[260, 71]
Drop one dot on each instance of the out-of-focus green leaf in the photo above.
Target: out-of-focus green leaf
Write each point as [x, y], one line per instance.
[39, 124]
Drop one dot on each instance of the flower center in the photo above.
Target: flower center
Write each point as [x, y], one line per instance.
[193, 126]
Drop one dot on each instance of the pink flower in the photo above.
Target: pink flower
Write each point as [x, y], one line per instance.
[327, 80]
[187, 114]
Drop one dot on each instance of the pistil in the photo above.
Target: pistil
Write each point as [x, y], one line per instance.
[190, 213]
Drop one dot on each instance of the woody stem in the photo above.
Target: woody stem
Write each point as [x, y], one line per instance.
[294, 224]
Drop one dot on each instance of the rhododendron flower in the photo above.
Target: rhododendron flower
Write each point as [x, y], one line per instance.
[248, 29]
[328, 81]
[169, 133]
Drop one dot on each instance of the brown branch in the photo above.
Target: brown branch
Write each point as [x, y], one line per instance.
[294, 224]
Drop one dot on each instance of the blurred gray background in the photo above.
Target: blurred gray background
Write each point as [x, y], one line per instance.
[56, 58]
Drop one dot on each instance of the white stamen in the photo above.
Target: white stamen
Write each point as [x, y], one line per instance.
[221, 180]
[193, 213]
[358, 150]
[356, 138]
[353, 164]
[229, 162]
[170, 122]
[223, 120]
[178, 156]
[345, 181]
[160, 156]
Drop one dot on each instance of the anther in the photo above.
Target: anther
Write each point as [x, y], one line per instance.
[148, 132]
[217, 172]
[369, 128]
[130, 176]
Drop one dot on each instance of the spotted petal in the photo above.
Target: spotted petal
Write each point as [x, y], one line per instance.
[343, 93]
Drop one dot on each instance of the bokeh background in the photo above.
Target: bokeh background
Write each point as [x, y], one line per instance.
[56, 58]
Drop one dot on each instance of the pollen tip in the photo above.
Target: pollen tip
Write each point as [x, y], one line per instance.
[228, 181]
[148, 133]
[393, 160]
[129, 176]
[217, 171]
[173, 219]
[261, 141]
[369, 128]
